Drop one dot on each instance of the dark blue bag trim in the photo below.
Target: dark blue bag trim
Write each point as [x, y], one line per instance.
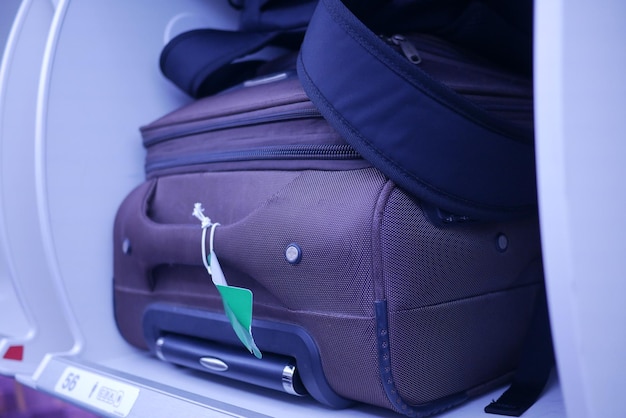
[384, 364]
[534, 369]
[202, 61]
[205, 61]
[428, 140]
[264, 15]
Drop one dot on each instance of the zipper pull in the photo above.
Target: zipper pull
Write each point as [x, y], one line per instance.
[408, 49]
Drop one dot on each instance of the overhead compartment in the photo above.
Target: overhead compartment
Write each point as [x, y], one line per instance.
[78, 79]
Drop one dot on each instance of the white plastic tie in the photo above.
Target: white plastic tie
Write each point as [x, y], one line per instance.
[198, 212]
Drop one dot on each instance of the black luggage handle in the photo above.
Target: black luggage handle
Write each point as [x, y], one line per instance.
[272, 371]
[281, 339]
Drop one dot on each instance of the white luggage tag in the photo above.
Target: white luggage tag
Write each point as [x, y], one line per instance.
[237, 300]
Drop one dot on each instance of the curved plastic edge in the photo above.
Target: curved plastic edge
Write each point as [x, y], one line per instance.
[41, 180]
[5, 247]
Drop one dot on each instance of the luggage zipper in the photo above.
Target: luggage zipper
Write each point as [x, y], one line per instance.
[407, 48]
[410, 46]
[282, 152]
[432, 52]
[239, 122]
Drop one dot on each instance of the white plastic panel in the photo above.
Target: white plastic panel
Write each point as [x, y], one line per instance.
[183, 389]
[30, 299]
[8, 297]
[100, 82]
[581, 127]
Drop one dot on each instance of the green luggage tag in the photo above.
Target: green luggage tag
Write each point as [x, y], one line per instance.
[237, 300]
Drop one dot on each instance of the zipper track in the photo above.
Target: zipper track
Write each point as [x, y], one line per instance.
[236, 123]
[479, 105]
[284, 152]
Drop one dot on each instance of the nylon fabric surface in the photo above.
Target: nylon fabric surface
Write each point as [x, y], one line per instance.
[427, 265]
